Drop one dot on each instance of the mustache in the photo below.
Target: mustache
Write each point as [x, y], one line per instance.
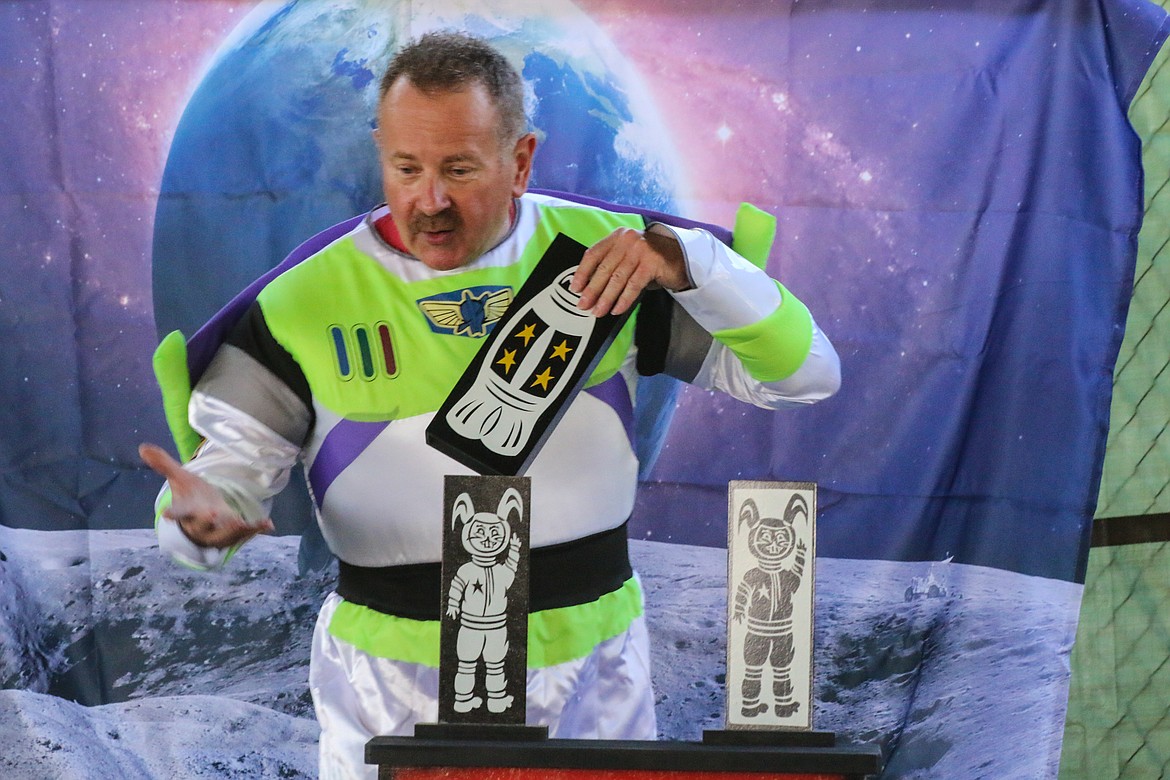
[447, 219]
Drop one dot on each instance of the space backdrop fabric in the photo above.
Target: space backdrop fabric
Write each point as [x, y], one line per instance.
[957, 192]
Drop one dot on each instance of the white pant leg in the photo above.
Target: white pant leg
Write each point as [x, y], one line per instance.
[606, 695]
[358, 696]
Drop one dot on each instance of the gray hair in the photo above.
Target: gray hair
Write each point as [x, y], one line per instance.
[450, 61]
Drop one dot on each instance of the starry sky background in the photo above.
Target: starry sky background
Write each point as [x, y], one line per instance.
[958, 199]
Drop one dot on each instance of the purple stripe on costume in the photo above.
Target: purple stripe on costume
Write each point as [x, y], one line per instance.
[721, 233]
[341, 447]
[616, 394]
[202, 346]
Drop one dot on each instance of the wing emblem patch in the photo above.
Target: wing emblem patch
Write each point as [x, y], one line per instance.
[469, 312]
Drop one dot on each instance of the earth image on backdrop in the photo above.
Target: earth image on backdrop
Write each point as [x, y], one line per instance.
[274, 143]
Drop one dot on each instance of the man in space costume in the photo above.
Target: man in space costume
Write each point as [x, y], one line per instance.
[342, 360]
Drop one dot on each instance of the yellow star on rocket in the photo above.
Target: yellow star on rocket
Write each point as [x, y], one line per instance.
[562, 351]
[528, 334]
[542, 379]
[508, 360]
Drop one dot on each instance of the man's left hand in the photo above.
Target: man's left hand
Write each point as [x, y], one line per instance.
[615, 270]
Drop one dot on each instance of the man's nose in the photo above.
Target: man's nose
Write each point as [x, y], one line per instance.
[434, 197]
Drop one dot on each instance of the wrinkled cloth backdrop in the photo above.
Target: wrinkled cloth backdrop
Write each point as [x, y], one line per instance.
[958, 195]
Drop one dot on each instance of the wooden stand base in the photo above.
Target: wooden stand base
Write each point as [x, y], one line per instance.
[412, 758]
[502, 773]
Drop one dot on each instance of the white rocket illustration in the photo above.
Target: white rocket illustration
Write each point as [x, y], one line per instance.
[531, 366]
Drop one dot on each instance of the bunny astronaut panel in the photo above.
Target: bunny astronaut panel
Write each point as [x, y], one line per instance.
[505, 405]
[771, 548]
[483, 644]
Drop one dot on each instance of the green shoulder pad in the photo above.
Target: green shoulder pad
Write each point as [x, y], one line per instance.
[170, 369]
[754, 232]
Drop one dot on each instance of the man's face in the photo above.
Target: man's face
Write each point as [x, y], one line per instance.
[448, 177]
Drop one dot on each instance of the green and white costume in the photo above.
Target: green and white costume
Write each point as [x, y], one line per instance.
[341, 363]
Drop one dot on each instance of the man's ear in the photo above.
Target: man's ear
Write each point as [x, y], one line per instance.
[522, 154]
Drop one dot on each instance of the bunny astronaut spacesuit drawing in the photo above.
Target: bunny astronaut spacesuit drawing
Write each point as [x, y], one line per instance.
[478, 598]
[764, 596]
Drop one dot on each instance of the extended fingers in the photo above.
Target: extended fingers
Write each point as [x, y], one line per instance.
[589, 261]
[591, 265]
[613, 273]
[198, 507]
[622, 291]
[162, 463]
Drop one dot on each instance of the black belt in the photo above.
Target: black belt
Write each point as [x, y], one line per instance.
[561, 575]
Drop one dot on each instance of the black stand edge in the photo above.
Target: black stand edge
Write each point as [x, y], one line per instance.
[769, 738]
[481, 732]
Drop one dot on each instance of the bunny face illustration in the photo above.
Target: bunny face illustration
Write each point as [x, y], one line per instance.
[486, 534]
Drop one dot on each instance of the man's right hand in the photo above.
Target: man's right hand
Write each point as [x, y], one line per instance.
[199, 509]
